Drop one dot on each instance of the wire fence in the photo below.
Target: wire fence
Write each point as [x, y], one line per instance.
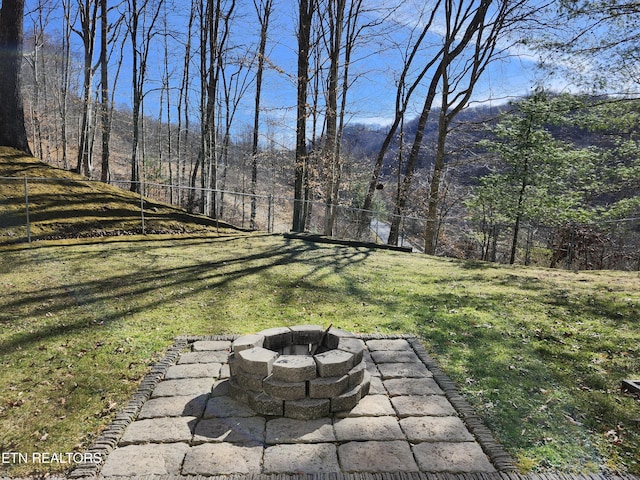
[274, 213]
[608, 245]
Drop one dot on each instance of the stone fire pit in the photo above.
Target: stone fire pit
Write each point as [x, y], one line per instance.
[301, 372]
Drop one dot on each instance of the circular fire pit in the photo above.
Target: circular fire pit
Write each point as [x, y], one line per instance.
[302, 372]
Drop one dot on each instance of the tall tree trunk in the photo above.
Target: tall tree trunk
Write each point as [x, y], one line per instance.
[455, 96]
[352, 33]
[166, 86]
[104, 83]
[264, 12]
[140, 55]
[211, 125]
[137, 97]
[404, 94]
[306, 9]
[336, 9]
[403, 191]
[37, 63]
[87, 32]
[453, 48]
[519, 210]
[431, 229]
[183, 104]
[65, 76]
[12, 129]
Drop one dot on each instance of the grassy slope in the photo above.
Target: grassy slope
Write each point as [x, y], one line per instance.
[62, 204]
[540, 353]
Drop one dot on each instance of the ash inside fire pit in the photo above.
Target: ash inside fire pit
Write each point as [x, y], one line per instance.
[301, 372]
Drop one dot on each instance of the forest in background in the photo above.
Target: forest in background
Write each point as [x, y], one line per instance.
[548, 179]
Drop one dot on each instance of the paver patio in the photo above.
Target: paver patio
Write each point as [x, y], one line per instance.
[183, 422]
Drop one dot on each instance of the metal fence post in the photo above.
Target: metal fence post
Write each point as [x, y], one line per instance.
[141, 183]
[26, 201]
[570, 247]
[270, 215]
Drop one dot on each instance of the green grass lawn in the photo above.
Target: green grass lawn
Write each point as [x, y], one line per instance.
[539, 353]
[65, 205]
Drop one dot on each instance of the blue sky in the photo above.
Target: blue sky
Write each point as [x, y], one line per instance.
[372, 96]
[374, 70]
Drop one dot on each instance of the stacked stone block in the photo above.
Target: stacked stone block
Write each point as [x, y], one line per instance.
[301, 372]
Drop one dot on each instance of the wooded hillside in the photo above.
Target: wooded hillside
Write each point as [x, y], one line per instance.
[145, 94]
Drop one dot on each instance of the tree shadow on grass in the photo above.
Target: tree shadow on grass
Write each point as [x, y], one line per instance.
[96, 213]
[134, 288]
[545, 375]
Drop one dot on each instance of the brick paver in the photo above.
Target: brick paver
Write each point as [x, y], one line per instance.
[412, 405]
[454, 457]
[393, 456]
[189, 425]
[213, 345]
[176, 406]
[184, 386]
[370, 406]
[160, 430]
[191, 370]
[307, 458]
[146, 459]
[412, 386]
[435, 429]
[245, 430]
[291, 430]
[222, 459]
[368, 428]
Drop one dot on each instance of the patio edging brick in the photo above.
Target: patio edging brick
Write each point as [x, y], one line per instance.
[499, 457]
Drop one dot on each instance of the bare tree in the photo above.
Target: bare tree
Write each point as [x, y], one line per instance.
[140, 37]
[104, 89]
[12, 128]
[65, 81]
[116, 43]
[592, 42]
[205, 14]
[47, 85]
[458, 82]
[263, 11]
[471, 32]
[36, 61]
[236, 81]
[335, 16]
[306, 11]
[183, 106]
[110, 33]
[165, 143]
[88, 13]
[215, 21]
[406, 87]
[344, 30]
